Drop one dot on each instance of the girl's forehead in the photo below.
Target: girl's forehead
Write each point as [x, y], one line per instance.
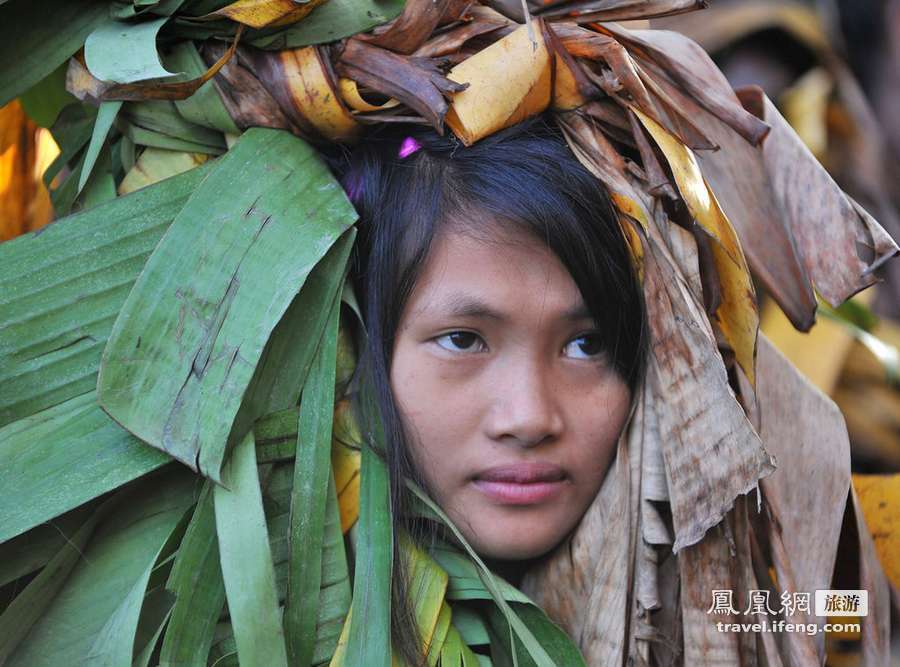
[494, 278]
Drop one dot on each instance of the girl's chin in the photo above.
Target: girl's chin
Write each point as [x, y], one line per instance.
[511, 549]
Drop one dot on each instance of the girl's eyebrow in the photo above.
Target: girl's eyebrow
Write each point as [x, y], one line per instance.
[464, 305]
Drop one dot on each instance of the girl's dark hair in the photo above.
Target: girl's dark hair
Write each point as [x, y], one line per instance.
[524, 177]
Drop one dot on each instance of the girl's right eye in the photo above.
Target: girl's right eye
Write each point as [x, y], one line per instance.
[460, 341]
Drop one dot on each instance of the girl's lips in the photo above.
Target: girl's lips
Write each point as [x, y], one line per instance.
[521, 483]
[523, 473]
[514, 493]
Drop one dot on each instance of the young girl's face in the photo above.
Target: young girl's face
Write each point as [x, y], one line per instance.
[511, 409]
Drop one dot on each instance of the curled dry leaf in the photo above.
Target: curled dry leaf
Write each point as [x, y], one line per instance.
[722, 561]
[164, 90]
[617, 10]
[712, 452]
[805, 432]
[572, 87]
[302, 83]
[416, 82]
[737, 314]
[408, 32]
[825, 223]
[567, 93]
[657, 179]
[265, 13]
[501, 96]
[590, 45]
[248, 102]
[482, 20]
[595, 152]
[676, 119]
[738, 176]
[691, 67]
[352, 97]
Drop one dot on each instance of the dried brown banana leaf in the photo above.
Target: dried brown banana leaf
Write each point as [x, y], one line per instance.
[825, 223]
[598, 155]
[416, 82]
[620, 10]
[481, 20]
[690, 67]
[248, 102]
[302, 83]
[414, 26]
[501, 96]
[736, 314]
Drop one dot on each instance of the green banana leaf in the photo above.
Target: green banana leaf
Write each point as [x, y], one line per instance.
[196, 581]
[534, 637]
[106, 114]
[191, 333]
[44, 101]
[94, 617]
[204, 107]
[37, 37]
[246, 558]
[33, 601]
[312, 474]
[71, 131]
[159, 124]
[368, 637]
[32, 550]
[63, 457]
[62, 287]
[125, 52]
[552, 638]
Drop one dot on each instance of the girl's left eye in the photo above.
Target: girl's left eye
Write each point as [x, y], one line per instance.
[460, 341]
[585, 346]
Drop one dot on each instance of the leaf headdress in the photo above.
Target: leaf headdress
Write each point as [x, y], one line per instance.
[190, 306]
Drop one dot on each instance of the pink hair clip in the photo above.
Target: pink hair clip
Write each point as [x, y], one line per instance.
[408, 147]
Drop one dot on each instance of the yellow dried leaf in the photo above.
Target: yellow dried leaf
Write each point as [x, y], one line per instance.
[819, 354]
[156, 164]
[805, 106]
[635, 247]
[350, 95]
[439, 636]
[508, 81]
[566, 95]
[25, 151]
[310, 89]
[879, 497]
[348, 500]
[427, 587]
[630, 208]
[737, 313]
[266, 13]
[345, 463]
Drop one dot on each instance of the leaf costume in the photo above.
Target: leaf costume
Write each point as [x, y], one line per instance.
[174, 425]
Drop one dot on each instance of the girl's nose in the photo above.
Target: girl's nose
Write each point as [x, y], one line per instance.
[526, 407]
